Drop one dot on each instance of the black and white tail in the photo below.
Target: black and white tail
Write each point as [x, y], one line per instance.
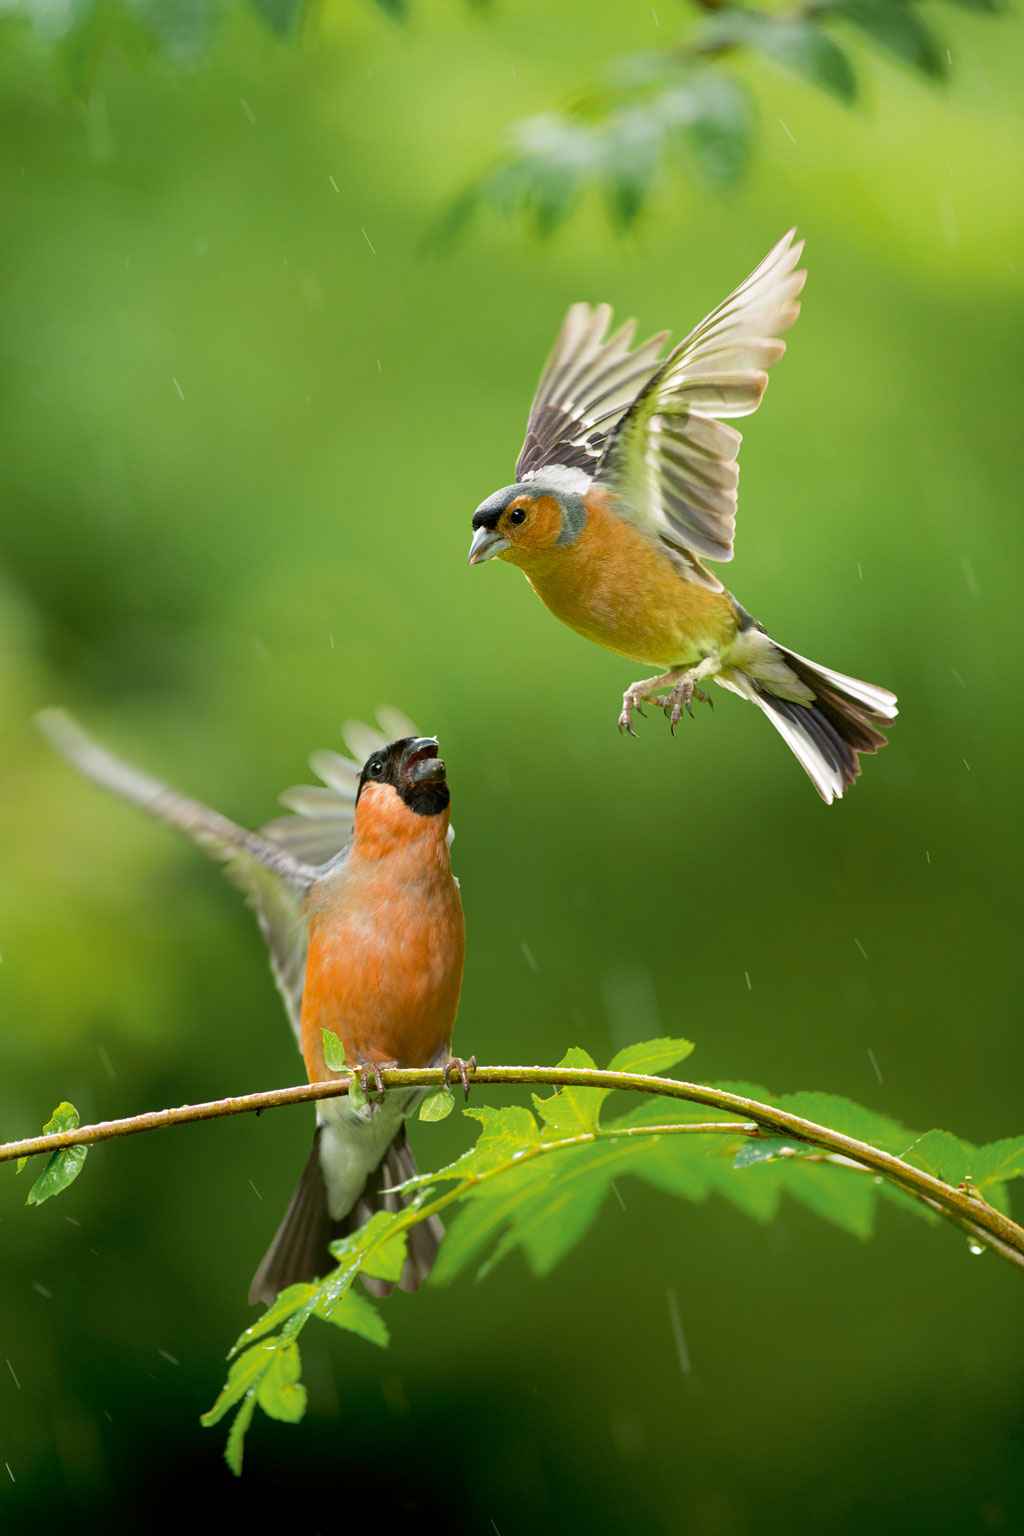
[825, 718]
[300, 1251]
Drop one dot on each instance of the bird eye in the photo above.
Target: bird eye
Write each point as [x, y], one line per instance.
[375, 767]
[518, 516]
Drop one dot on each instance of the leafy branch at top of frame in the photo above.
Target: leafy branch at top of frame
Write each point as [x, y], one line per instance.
[680, 107]
[535, 1181]
[683, 108]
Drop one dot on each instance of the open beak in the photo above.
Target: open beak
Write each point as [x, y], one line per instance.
[422, 764]
[486, 544]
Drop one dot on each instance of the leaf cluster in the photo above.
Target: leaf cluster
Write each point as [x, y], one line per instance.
[535, 1180]
[685, 109]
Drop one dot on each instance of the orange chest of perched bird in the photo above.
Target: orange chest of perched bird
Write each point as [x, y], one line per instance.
[386, 941]
[593, 583]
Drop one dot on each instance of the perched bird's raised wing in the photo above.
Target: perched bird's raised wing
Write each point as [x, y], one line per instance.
[322, 823]
[671, 457]
[587, 385]
[274, 881]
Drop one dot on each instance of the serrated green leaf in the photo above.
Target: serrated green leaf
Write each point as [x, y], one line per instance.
[755, 1191]
[358, 1314]
[356, 1096]
[798, 43]
[280, 1392]
[764, 1149]
[997, 1161]
[507, 1134]
[243, 1376]
[571, 1111]
[235, 1444]
[283, 16]
[437, 1105]
[843, 1196]
[484, 1213]
[289, 1301]
[334, 1052]
[677, 1165]
[899, 28]
[941, 1154]
[387, 1261]
[650, 1058]
[61, 1167]
[550, 1225]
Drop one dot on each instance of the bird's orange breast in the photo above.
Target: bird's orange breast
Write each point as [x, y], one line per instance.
[386, 942]
[617, 586]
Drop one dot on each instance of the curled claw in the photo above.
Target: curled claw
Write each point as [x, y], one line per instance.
[375, 1070]
[463, 1068]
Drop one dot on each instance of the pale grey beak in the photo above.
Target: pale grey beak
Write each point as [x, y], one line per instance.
[486, 544]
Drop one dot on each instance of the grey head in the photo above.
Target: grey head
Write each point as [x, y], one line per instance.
[496, 520]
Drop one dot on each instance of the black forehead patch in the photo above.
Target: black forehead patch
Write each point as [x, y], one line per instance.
[385, 766]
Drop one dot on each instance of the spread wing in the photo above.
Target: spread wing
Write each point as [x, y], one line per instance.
[274, 881]
[671, 457]
[322, 823]
[587, 385]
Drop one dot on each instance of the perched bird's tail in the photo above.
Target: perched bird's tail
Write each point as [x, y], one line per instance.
[300, 1251]
[826, 719]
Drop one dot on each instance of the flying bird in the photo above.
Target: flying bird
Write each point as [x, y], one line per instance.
[356, 899]
[626, 486]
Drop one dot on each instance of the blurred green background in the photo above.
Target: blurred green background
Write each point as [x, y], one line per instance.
[246, 419]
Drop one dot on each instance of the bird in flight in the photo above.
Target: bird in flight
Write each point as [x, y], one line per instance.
[356, 899]
[626, 486]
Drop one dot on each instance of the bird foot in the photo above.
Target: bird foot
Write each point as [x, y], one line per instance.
[376, 1070]
[633, 696]
[462, 1068]
[681, 698]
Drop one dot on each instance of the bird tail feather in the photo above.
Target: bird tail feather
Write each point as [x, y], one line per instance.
[300, 1249]
[828, 720]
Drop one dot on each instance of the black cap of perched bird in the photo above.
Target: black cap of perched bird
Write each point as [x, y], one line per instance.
[361, 912]
[626, 486]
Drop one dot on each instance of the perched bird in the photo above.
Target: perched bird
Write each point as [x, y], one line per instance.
[626, 485]
[361, 912]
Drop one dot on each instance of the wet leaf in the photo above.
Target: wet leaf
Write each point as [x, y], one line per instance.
[62, 1167]
[941, 1154]
[571, 1111]
[650, 1058]
[244, 1374]
[437, 1105]
[280, 1392]
[358, 1314]
[764, 1149]
[334, 1052]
